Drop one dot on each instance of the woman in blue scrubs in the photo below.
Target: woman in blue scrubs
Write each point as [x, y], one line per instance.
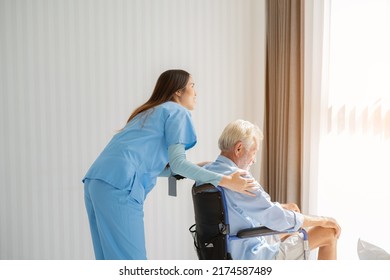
[152, 144]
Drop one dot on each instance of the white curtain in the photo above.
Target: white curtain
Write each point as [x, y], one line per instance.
[347, 116]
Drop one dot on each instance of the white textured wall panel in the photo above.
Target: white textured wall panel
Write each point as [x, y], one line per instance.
[70, 74]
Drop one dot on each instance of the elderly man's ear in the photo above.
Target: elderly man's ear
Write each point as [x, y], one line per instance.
[238, 149]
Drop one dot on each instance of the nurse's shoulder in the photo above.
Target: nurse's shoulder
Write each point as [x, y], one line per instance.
[173, 106]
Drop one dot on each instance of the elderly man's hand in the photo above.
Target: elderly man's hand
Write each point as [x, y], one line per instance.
[291, 206]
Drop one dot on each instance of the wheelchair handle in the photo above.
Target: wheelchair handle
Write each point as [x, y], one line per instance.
[204, 188]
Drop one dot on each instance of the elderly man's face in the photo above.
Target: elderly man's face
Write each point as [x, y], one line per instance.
[247, 157]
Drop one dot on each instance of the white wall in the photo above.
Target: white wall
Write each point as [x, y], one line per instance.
[70, 74]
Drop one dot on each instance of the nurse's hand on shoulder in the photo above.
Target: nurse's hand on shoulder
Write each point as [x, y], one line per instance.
[237, 183]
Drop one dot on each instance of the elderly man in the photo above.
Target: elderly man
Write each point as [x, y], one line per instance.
[239, 144]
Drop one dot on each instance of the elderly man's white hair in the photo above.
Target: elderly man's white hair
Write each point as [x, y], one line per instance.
[239, 130]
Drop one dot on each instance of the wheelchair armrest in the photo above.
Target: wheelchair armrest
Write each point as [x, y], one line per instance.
[257, 231]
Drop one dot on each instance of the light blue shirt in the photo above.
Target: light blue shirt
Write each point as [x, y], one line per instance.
[245, 212]
[139, 153]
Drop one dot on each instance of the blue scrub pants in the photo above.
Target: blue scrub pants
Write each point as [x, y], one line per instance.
[116, 221]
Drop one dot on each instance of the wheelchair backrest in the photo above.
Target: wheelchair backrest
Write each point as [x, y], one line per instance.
[211, 228]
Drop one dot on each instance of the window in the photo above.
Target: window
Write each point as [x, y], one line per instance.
[354, 150]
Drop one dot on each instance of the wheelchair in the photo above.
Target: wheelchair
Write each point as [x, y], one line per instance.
[211, 229]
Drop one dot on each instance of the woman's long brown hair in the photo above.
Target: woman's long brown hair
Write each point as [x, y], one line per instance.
[167, 84]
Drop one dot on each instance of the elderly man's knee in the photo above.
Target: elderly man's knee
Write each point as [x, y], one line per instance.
[329, 234]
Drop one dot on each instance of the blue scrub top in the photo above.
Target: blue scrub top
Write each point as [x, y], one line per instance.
[139, 153]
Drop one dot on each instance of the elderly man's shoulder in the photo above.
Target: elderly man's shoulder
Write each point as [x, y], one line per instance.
[221, 168]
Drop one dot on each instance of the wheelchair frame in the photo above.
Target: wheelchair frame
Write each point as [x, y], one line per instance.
[211, 232]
